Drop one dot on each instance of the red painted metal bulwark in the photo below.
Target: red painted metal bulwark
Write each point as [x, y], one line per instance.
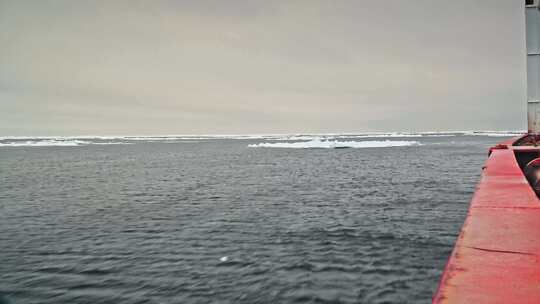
[496, 258]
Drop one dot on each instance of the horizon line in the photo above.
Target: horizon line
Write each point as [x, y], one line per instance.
[265, 134]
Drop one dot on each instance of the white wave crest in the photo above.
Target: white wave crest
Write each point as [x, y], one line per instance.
[334, 144]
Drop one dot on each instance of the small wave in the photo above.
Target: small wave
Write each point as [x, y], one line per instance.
[334, 144]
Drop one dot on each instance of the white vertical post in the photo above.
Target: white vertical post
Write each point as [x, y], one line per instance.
[532, 20]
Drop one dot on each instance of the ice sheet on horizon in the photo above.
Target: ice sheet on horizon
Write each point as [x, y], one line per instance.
[334, 144]
[54, 143]
[269, 137]
[45, 143]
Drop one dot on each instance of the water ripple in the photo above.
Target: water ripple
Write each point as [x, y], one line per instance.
[152, 223]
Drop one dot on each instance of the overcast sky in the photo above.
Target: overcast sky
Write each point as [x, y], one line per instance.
[246, 67]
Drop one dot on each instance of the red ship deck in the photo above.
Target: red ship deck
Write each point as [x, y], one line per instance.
[496, 258]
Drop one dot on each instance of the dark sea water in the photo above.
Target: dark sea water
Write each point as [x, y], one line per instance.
[215, 221]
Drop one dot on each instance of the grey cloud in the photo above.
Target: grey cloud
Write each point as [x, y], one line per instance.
[150, 67]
